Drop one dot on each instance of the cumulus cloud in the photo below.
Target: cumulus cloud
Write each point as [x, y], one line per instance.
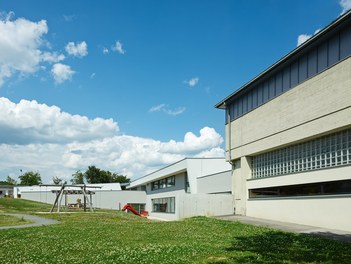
[61, 72]
[304, 37]
[31, 122]
[39, 137]
[77, 50]
[345, 5]
[20, 42]
[165, 109]
[192, 82]
[118, 47]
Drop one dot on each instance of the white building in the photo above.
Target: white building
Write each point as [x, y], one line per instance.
[189, 187]
[107, 196]
[288, 134]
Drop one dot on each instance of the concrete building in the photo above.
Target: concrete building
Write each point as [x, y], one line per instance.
[288, 134]
[189, 187]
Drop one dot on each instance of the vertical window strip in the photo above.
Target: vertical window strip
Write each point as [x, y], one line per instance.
[328, 151]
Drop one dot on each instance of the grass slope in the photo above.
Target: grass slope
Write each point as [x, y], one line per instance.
[115, 237]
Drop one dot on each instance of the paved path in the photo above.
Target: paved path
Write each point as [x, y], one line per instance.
[37, 221]
[290, 227]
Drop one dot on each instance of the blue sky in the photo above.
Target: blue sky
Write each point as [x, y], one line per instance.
[129, 85]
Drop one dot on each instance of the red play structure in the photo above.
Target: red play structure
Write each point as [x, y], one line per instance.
[130, 208]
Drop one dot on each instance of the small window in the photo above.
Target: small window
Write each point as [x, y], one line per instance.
[171, 181]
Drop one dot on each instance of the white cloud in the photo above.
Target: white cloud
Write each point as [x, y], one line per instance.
[31, 122]
[20, 42]
[304, 37]
[39, 137]
[69, 18]
[165, 109]
[118, 47]
[192, 82]
[61, 72]
[77, 50]
[105, 50]
[345, 5]
[52, 57]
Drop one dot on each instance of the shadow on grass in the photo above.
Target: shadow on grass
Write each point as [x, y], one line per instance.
[281, 247]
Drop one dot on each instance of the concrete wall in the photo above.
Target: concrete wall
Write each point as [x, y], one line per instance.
[215, 183]
[318, 105]
[102, 199]
[188, 205]
[327, 212]
[205, 205]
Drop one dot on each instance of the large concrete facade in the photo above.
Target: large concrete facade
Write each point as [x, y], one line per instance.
[319, 106]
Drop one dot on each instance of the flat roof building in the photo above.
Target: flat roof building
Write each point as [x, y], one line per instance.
[189, 187]
[288, 134]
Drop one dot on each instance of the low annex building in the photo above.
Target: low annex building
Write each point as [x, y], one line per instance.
[189, 187]
[288, 134]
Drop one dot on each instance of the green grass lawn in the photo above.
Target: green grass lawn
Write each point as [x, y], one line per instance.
[116, 237]
[7, 220]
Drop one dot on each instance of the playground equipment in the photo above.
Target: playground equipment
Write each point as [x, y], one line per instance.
[130, 208]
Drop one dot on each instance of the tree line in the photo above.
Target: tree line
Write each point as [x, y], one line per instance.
[91, 175]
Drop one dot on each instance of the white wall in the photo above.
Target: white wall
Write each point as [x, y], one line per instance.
[327, 212]
[215, 183]
[205, 205]
[188, 205]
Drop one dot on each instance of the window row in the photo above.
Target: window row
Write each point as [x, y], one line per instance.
[328, 151]
[310, 189]
[163, 205]
[318, 59]
[163, 183]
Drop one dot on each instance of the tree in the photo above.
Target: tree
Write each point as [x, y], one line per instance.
[120, 178]
[30, 178]
[58, 181]
[96, 175]
[78, 177]
[10, 181]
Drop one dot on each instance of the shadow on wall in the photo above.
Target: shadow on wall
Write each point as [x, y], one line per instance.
[281, 247]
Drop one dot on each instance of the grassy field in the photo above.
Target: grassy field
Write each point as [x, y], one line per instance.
[115, 237]
[7, 220]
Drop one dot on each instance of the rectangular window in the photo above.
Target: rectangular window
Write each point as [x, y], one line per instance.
[187, 185]
[163, 183]
[170, 181]
[163, 205]
[328, 151]
[310, 189]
